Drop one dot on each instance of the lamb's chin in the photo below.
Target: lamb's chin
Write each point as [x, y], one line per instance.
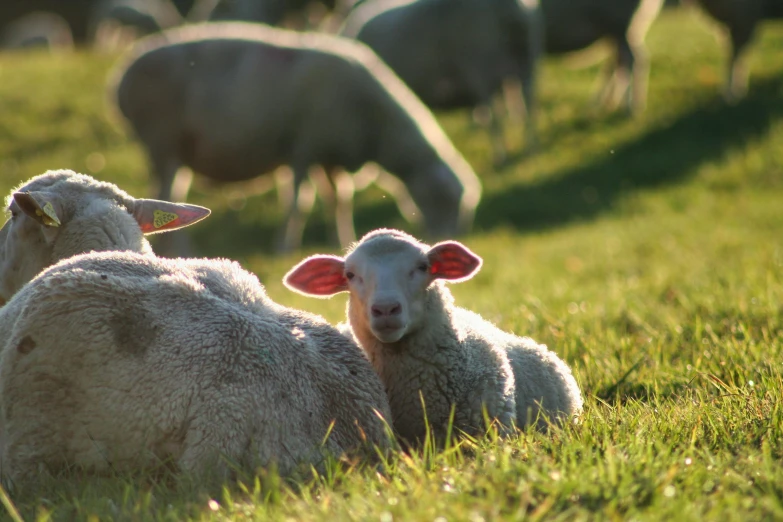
[388, 335]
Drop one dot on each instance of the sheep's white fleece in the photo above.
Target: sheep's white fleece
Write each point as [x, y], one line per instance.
[460, 358]
[424, 347]
[121, 360]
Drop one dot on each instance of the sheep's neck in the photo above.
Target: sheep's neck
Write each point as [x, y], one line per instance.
[410, 365]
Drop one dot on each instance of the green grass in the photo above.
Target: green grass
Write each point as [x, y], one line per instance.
[647, 253]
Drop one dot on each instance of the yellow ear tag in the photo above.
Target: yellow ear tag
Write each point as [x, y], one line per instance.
[161, 218]
[49, 216]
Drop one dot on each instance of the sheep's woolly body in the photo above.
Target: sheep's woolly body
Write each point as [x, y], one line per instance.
[303, 99]
[120, 360]
[424, 347]
[459, 358]
[456, 53]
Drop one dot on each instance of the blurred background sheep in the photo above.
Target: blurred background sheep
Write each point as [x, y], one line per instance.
[233, 101]
[572, 25]
[37, 29]
[451, 53]
[104, 23]
[740, 19]
[456, 53]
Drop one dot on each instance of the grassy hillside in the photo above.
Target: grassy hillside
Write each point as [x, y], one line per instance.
[648, 254]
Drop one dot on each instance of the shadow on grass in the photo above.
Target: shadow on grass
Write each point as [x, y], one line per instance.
[663, 156]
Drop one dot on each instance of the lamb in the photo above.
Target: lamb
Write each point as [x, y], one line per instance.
[456, 53]
[571, 25]
[60, 214]
[233, 101]
[123, 361]
[117, 359]
[741, 19]
[404, 317]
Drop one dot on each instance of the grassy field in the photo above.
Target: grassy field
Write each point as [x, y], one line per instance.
[648, 254]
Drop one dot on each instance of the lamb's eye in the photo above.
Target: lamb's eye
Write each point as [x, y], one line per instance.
[422, 267]
[349, 275]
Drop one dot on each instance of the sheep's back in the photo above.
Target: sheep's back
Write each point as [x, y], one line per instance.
[238, 104]
[133, 350]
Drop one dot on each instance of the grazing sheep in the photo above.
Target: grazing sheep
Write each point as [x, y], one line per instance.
[271, 12]
[740, 18]
[115, 23]
[38, 29]
[81, 15]
[76, 13]
[404, 317]
[123, 361]
[456, 53]
[233, 101]
[61, 213]
[571, 25]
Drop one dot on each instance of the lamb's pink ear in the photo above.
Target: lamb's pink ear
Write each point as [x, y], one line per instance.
[453, 261]
[39, 206]
[154, 215]
[318, 276]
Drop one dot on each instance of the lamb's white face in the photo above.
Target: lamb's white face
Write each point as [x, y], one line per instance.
[388, 286]
[387, 275]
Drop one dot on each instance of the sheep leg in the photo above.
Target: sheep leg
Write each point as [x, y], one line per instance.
[365, 176]
[397, 190]
[174, 183]
[607, 85]
[343, 182]
[327, 193]
[737, 79]
[180, 188]
[534, 50]
[632, 61]
[528, 111]
[499, 155]
[298, 210]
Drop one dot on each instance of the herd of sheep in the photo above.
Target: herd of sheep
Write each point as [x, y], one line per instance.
[115, 358]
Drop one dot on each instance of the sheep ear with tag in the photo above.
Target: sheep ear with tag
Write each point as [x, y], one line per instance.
[154, 215]
[42, 208]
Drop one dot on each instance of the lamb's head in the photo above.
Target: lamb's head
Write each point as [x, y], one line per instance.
[388, 274]
[61, 213]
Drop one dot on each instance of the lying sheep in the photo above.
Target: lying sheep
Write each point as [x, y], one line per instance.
[741, 19]
[121, 360]
[233, 101]
[419, 342]
[456, 53]
[571, 25]
[61, 213]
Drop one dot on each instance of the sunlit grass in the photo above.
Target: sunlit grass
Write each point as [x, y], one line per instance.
[646, 253]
